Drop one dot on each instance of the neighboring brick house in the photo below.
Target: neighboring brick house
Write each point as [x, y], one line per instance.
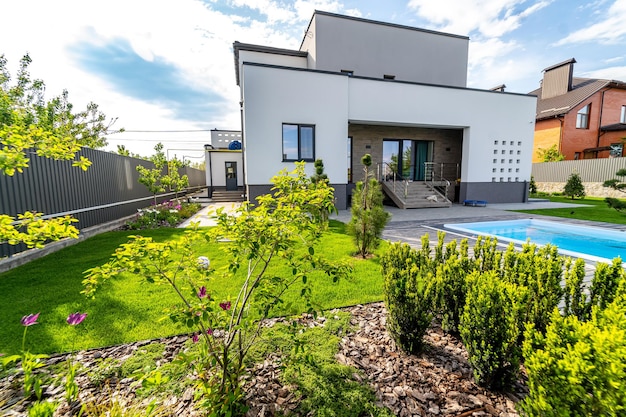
[584, 117]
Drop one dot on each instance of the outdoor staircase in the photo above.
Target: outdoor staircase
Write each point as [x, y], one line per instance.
[413, 195]
[223, 196]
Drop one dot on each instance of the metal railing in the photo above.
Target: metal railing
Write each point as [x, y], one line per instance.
[436, 174]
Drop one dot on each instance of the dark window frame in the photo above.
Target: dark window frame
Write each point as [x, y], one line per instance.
[299, 126]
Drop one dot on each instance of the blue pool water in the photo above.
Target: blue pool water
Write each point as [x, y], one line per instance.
[587, 242]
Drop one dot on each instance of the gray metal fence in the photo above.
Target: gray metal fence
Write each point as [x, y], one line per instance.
[590, 170]
[107, 191]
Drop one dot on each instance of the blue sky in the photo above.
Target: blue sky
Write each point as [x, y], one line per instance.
[168, 65]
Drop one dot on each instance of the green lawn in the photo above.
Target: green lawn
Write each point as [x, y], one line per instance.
[597, 210]
[126, 309]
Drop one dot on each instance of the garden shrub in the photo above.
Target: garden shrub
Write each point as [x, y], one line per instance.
[578, 368]
[167, 214]
[605, 283]
[486, 254]
[540, 270]
[406, 288]
[574, 299]
[490, 328]
[449, 287]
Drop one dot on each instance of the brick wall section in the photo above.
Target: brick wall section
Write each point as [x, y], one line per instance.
[447, 148]
[575, 140]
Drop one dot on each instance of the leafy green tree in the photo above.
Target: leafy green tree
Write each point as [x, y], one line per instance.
[574, 187]
[368, 215]
[50, 129]
[550, 154]
[278, 228]
[173, 180]
[152, 177]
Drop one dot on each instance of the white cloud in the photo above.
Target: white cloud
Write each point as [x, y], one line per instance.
[188, 35]
[610, 28]
[488, 17]
[609, 73]
[491, 64]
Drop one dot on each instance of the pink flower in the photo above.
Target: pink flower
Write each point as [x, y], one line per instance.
[76, 318]
[195, 338]
[202, 292]
[209, 331]
[30, 319]
[225, 305]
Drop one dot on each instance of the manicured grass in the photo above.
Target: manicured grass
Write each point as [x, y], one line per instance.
[597, 211]
[128, 309]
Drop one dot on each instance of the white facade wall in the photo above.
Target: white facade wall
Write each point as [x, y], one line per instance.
[373, 49]
[273, 96]
[485, 116]
[268, 58]
[217, 170]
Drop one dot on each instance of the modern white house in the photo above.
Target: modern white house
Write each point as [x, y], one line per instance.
[399, 93]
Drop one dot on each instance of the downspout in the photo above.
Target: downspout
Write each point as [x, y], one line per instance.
[561, 121]
[243, 153]
[600, 122]
[211, 177]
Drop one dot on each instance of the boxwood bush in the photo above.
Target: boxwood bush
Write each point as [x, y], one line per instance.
[407, 277]
[491, 326]
[578, 368]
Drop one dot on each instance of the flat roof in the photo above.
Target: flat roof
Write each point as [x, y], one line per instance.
[377, 22]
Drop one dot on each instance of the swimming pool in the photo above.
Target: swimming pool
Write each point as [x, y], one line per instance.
[593, 243]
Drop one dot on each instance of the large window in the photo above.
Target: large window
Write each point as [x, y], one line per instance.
[622, 118]
[582, 118]
[298, 142]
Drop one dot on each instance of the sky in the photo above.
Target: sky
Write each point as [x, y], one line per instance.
[165, 69]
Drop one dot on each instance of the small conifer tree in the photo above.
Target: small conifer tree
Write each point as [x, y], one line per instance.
[368, 215]
[574, 187]
[532, 186]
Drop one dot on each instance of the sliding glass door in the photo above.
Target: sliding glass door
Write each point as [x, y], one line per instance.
[404, 158]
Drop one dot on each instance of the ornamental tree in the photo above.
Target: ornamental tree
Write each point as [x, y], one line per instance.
[618, 185]
[574, 187]
[51, 129]
[368, 215]
[152, 178]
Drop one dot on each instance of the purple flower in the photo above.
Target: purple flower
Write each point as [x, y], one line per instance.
[202, 292]
[76, 318]
[30, 319]
[209, 331]
[195, 338]
[225, 305]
